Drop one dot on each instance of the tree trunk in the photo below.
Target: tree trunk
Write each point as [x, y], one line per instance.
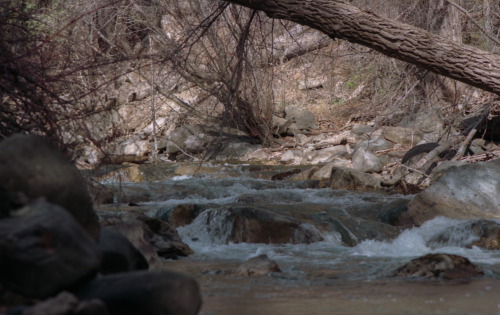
[442, 19]
[339, 19]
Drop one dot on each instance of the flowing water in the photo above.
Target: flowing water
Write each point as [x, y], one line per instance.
[323, 277]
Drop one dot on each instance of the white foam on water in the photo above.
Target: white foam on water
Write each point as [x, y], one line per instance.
[415, 242]
[181, 177]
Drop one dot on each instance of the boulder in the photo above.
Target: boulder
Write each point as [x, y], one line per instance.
[304, 119]
[464, 192]
[351, 179]
[140, 292]
[404, 136]
[220, 143]
[258, 266]
[30, 168]
[373, 145]
[328, 154]
[359, 130]
[45, 251]
[176, 140]
[442, 266]
[135, 232]
[131, 150]
[118, 253]
[249, 223]
[365, 161]
[260, 154]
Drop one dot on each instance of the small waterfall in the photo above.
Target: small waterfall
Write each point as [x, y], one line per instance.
[211, 227]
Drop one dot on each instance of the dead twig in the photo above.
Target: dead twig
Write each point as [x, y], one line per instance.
[472, 132]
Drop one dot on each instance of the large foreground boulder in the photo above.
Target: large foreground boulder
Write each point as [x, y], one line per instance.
[151, 293]
[31, 168]
[465, 192]
[43, 250]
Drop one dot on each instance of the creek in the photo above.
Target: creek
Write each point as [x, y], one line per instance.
[344, 265]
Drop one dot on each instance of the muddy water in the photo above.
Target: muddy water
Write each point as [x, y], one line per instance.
[326, 277]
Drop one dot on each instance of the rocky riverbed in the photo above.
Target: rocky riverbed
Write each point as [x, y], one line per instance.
[246, 238]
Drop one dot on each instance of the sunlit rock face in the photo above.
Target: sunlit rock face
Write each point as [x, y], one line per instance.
[465, 192]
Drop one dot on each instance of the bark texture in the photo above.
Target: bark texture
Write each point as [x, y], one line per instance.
[339, 19]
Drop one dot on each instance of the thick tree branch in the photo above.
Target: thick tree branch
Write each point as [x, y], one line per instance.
[339, 19]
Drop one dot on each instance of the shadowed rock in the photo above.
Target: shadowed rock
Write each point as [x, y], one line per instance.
[43, 250]
[151, 293]
[118, 253]
[31, 168]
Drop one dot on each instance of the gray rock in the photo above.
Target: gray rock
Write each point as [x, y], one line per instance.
[176, 140]
[260, 154]
[465, 192]
[131, 150]
[304, 119]
[152, 293]
[403, 136]
[373, 145]
[359, 129]
[365, 161]
[30, 168]
[351, 179]
[45, 251]
[328, 154]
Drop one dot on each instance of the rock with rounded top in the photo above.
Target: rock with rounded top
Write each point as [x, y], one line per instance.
[118, 253]
[365, 161]
[351, 179]
[31, 168]
[403, 136]
[304, 119]
[361, 130]
[140, 292]
[45, 251]
[465, 192]
[442, 266]
[373, 145]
